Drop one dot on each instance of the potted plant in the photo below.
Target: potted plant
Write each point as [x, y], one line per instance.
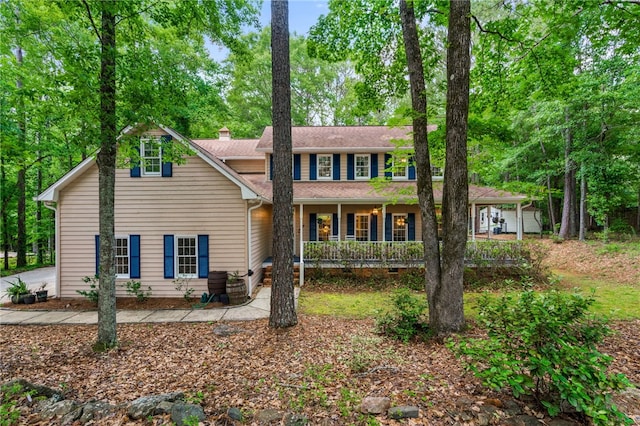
[42, 293]
[17, 291]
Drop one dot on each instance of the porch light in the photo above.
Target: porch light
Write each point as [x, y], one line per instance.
[375, 211]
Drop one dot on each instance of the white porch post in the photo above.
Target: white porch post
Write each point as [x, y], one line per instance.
[339, 221]
[489, 222]
[301, 210]
[473, 222]
[384, 223]
[519, 221]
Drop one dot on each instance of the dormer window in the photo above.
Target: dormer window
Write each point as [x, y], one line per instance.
[325, 167]
[151, 156]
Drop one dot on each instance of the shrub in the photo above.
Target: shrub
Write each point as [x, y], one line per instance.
[134, 288]
[545, 344]
[406, 320]
[92, 293]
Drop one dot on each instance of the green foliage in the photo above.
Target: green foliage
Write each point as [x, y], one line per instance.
[407, 318]
[182, 285]
[9, 396]
[134, 288]
[91, 294]
[545, 344]
[17, 288]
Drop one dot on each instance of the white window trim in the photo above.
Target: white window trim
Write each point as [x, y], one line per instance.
[394, 168]
[355, 167]
[368, 226]
[175, 256]
[157, 140]
[330, 177]
[125, 237]
[394, 226]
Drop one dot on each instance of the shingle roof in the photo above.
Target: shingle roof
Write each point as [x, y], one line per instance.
[341, 138]
[363, 192]
[233, 149]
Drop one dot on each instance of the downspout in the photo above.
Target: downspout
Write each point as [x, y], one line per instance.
[48, 205]
[249, 246]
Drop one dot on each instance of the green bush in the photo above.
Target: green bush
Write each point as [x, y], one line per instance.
[407, 318]
[545, 344]
[92, 293]
[134, 288]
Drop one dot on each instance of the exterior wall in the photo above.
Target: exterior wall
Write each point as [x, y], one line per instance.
[304, 166]
[198, 200]
[260, 241]
[247, 166]
[529, 223]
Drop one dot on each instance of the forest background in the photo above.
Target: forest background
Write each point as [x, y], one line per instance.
[555, 90]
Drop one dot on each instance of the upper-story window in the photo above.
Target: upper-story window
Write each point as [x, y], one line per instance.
[400, 168]
[362, 166]
[151, 156]
[325, 167]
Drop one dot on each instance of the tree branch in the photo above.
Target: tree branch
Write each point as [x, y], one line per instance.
[138, 12]
[93, 24]
[498, 33]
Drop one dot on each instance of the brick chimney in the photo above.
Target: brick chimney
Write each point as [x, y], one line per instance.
[224, 134]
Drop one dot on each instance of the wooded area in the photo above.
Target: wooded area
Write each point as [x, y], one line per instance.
[554, 94]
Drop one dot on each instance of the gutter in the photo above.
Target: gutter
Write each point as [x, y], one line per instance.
[249, 247]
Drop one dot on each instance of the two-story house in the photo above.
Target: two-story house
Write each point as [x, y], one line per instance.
[212, 212]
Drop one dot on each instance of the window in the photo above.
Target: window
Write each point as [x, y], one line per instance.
[324, 167]
[122, 257]
[400, 168]
[362, 166]
[187, 257]
[151, 156]
[362, 227]
[324, 227]
[399, 225]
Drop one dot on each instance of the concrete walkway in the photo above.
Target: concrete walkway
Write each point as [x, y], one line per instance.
[257, 308]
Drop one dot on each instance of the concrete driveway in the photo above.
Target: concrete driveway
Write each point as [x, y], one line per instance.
[34, 280]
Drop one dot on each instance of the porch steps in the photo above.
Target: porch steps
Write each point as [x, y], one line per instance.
[267, 279]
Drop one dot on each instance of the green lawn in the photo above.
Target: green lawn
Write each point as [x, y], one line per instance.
[613, 300]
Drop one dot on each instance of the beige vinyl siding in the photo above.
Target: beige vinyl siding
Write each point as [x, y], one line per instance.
[260, 240]
[197, 199]
[247, 166]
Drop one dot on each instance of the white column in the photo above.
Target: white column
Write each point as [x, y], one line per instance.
[519, 221]
[384, 223]
[339, 222]
[301, 244]
[473, 221]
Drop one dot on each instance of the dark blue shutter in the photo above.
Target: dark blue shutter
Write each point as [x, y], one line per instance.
[134, 256]
[387, 165]
[296, 167]
[374, 227]
[135, 164]
[412, 168]
[203, 256]
[388, 227]
[374, 165]
[167, 167]
[411, 220]
[334, 224]
[97, 255]
[168, 257]
[336, 166]
[313, 226]
[313, 167]
[351, 174]
[270, 166]
[351, 224]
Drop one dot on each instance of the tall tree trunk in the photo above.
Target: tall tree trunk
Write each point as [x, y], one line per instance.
[552, 214]
[107, 333]
[569, 183]
[283, 312]
[4, 199]
[423, 163]
[455, 197]
[21, 242]
[583, 205]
